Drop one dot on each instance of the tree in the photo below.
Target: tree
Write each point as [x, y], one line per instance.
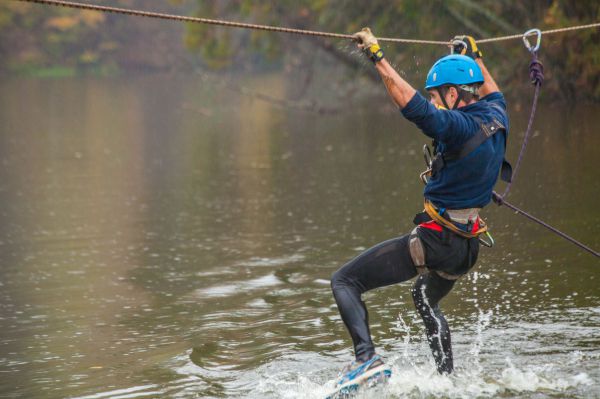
[571, 59]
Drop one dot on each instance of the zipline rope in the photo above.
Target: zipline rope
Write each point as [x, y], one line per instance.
[545, 32]
[94, 7]
[536, 75]
[500, 201]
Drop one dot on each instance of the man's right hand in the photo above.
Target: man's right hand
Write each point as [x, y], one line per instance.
[368, 43]
[466, 45]
[365, 38]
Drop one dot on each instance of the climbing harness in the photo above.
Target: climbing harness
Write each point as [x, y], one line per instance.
[443, 236]
[94, 7]
[474, 225]
[464, 222]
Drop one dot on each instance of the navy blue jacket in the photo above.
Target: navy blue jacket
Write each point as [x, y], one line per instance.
[466, 182]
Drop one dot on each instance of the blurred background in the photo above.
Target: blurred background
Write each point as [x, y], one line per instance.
[50, 41]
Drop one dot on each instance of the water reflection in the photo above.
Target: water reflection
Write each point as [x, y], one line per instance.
[163, 237]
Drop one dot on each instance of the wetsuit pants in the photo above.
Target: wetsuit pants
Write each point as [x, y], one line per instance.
[384, 264]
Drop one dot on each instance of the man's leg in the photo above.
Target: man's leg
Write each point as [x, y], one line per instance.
[428, 290]
[384, 264]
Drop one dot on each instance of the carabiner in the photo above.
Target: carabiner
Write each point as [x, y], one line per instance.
[427, 155]
[424, 176]
[428, 161]
[490, 242]
[531, 32]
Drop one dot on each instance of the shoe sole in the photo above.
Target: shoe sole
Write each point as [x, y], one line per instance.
[370, 378]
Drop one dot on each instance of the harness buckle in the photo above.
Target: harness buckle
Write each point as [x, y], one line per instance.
[531, 32]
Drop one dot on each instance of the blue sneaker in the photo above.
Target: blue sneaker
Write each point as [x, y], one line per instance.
[355, 375]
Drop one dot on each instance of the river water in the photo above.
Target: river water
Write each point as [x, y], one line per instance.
[166, 237]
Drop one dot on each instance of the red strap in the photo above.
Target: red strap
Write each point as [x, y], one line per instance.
[433, 225]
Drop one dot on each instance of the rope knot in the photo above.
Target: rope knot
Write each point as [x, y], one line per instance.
[536, 71]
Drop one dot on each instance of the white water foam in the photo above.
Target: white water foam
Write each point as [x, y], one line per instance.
[477, 376]
[424, 382]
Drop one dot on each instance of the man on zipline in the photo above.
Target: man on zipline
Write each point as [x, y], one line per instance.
[463, 115]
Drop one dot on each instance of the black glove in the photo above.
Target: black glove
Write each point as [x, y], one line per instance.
[466, 45]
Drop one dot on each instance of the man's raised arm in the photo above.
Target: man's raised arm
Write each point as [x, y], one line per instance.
[489, 84]
[466, 45]
[399, 89]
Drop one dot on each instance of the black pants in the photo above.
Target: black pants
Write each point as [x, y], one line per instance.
[389, 263]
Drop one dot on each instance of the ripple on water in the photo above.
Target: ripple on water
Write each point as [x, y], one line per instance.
[237, 287]
[279, 261]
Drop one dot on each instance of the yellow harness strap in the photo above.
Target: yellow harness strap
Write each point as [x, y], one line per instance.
[433, 214]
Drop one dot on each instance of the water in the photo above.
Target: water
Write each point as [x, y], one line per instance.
[167, 237]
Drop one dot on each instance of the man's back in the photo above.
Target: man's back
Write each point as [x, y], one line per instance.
[467, 182]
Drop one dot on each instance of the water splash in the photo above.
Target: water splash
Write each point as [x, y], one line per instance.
[403, 327]
[536, 378]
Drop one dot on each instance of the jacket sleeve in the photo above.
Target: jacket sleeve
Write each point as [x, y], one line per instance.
[449, 127]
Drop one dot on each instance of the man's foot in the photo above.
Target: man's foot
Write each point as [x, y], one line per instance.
[371, 371]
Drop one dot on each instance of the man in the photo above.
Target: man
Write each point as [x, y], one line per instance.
[467, 119]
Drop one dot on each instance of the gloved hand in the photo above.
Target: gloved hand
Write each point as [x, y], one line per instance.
[470, 50]
[368, 43]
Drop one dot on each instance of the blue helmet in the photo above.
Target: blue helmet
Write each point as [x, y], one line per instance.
[453, 69]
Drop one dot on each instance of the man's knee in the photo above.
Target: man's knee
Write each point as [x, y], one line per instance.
[337, 279]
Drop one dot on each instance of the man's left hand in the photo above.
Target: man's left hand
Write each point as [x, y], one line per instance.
[469, 48]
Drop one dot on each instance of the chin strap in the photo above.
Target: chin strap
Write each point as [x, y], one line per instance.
[459, 98]
[442, 90]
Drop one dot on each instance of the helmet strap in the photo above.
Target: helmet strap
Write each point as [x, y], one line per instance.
[442, 90]
[458, 98]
